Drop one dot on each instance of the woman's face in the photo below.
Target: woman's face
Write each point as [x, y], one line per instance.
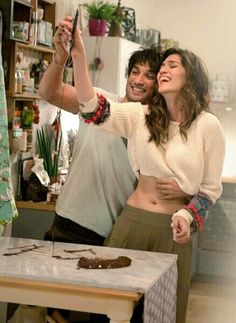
[172, 75]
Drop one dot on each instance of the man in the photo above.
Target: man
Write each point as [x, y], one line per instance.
[94, 193]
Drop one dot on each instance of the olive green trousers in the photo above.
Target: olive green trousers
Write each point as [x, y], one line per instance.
[143, 230]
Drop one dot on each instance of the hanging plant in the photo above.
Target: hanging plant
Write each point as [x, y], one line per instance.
[97, 64]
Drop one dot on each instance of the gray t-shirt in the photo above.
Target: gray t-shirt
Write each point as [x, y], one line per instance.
[99, 181]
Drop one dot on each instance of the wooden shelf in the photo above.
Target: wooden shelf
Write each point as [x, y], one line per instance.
[15, 10]
[38, 48]
[47, 1]
[25, 96]
[25, 3]
[44, 206]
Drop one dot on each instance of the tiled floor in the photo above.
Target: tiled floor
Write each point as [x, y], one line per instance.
[212, 300]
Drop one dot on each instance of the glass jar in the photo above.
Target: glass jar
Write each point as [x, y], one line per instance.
[220, 90]
[18, 80]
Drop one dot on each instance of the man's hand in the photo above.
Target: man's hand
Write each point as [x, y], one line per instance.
[62, 40]
[181, 230]
[168, 189]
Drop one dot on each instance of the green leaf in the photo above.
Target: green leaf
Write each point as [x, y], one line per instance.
[46, 146]
[101, 10]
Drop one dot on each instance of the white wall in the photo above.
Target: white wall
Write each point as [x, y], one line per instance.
[205, 26]
[65, 7]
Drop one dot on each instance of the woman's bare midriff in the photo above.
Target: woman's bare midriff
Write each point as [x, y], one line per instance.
[146, 197]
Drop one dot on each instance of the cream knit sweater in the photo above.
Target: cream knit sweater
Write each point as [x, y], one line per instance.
[196, 163]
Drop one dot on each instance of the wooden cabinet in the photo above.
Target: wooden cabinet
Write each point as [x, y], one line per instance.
[39, 213]
[17, 19]
[15, 52]
[24, 60]
[19, 14]
[49, 7]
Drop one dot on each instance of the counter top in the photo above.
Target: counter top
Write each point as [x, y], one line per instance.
[230, 179]
[38, 264]
[35, 272]
[44, 206]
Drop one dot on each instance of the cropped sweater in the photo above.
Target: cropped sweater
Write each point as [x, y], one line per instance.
[195, 163]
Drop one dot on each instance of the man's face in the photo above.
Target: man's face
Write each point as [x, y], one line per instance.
[140, 84]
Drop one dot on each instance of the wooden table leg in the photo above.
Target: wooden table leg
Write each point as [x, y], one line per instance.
[120, 311]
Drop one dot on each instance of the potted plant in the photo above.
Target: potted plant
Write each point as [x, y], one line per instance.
[99, 14]
[115, 25]
[49, 146]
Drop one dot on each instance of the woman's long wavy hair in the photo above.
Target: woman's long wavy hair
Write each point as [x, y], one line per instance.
[195, 98]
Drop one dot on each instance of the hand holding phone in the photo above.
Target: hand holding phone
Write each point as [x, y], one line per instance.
[75, 21]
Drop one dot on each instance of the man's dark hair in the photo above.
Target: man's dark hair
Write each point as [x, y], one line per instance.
[150, 56]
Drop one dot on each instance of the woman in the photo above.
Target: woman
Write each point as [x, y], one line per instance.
[174, 137]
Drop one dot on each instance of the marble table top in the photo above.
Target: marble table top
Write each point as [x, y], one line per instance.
[145, 270]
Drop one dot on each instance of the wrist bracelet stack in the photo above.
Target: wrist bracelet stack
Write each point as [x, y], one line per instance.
[100, 114]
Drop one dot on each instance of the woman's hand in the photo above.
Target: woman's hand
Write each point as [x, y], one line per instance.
[78, 43]
[181, 229]
[167, 189]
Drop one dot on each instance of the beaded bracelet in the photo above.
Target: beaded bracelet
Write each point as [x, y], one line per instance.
[198, 207]
[100, 114]
[89, 115]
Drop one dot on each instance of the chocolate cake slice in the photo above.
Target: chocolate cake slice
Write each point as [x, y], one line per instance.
[101, 263]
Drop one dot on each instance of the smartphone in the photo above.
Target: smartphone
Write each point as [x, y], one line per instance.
[75, 22]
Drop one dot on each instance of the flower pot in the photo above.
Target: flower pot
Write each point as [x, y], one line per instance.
[115, 29]
[97, 27]
[54, 179]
